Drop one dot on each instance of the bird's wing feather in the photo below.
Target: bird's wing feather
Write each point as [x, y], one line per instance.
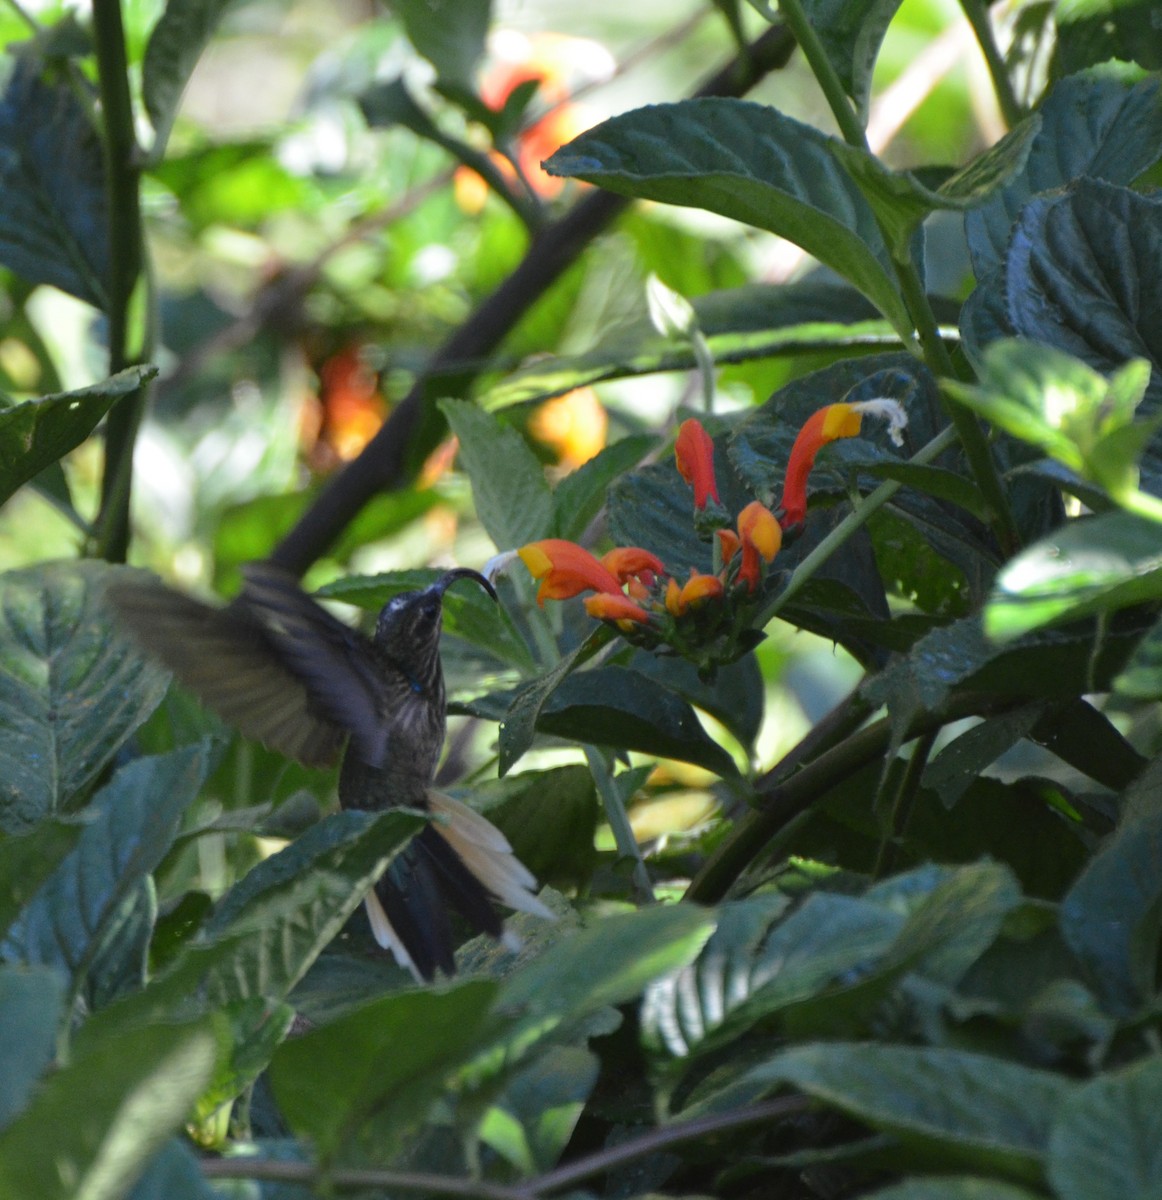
[335, 663]
[225, 658]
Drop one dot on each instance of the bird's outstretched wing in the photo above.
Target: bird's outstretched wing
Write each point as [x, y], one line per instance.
[335, 663]
[228, 660]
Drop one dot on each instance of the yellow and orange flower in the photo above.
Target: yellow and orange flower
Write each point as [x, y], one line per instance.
[828, 425]
[613, 606]
[632, 562]
[566, 570]
[761, 539]
[693, 593]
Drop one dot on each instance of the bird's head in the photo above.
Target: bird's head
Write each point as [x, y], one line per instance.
[408, 628]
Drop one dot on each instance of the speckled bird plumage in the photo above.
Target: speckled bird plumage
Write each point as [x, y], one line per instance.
[289, 674]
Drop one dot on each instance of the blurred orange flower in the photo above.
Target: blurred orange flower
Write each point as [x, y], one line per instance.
[573, 426]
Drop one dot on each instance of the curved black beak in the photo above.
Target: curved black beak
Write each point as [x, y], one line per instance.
[445, 581]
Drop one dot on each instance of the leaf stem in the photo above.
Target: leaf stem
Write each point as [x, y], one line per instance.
[794, 14]
[126, 257]
[978, 18]
[902, 800]
[618, 819]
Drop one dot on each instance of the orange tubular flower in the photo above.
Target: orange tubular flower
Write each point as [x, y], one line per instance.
[826, 425]
[761, 538]
[566, 569]
[613, 606]
[632, 562]
[730, 543]
[695, 591]
[694, 453]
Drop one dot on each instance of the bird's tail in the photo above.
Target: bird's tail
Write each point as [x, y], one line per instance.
[460, 860]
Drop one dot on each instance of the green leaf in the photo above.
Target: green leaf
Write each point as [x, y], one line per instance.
[27, 859]
[756, 321]
[1141, 678]
[95, 1123]
[1092, 125]
[518, 727]
[748, 162]
[532, 1120]
[391, 1058]
[1107, 1140]
[449, 35]
[1112, 916]
[960, 1109]
[54, 222]
[580, 496]
[952, 772]
[173, 50]
[851, 34]
[513, 501]
[1072, 270]
[553, 839]
[620, 708]
[72, 687]
[31, 1005]
[1090, 565]
[94, 891]
[756, 964]
[36, 434]
[901, 201]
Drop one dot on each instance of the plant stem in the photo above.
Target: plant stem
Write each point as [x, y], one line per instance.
[793, 13]
[978, 18]
[902, 801]
[126, 256]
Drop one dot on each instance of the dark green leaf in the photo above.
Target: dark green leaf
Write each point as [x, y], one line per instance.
[72, 687]
[174, 47]
[53, 223]
[749, 162]
[35, 435]
[27, 859]
[390, 1058]
[1092, 125]
[756, 321]
[952, 772]
[513, 501]
[1112, 916]
[550, 818]
[1091, 565]
[95, 1123]
[1107, 1140]
[1141, 679]
[94, 893]
[622, 709]
[31, 1004]
[1073, 272]
[519, 724]
[1107, 29]
[972, 1110]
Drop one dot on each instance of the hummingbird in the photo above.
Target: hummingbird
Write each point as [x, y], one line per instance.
[283, 670]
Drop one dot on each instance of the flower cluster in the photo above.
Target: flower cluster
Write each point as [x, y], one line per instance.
[708, 617]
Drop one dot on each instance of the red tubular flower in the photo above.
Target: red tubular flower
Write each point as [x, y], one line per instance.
[826, 425]
[694, 453]
[632, 562]
[613, 606]
[566, 569]
[695, 591]
[761, 538]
